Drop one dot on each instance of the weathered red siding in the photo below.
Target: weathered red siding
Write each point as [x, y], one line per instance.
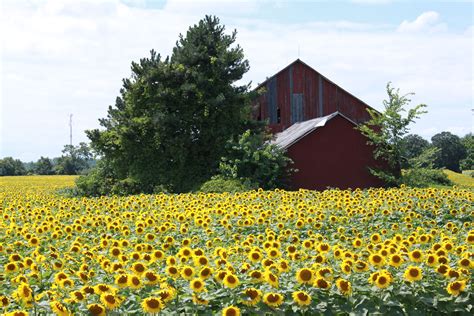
[335, 155]
[321, 97]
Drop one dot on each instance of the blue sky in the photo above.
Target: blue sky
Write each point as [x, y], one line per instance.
[61, 57]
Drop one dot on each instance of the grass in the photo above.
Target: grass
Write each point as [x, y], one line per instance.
[460, 179]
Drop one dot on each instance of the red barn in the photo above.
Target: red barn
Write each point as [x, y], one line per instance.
[314, 119]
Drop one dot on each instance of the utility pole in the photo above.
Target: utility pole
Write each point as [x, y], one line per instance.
[70, 129]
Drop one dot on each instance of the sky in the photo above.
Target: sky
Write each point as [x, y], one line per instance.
[69, 57]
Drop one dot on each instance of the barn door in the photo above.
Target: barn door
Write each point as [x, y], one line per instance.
[297, 108]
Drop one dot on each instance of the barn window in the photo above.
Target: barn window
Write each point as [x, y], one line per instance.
[278, 116]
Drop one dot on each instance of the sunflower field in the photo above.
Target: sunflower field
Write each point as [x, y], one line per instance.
[398, 251]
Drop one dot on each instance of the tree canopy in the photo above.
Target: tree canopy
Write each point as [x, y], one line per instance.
[451, 152]
[386, 130]
[174, 115]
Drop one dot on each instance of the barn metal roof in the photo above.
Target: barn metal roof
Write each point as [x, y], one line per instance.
[299, 130]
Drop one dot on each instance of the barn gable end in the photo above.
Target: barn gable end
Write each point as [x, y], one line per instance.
[298, 93]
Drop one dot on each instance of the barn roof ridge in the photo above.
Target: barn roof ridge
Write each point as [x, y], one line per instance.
[298, 60]
[299, 130]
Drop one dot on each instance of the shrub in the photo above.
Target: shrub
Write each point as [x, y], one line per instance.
[220, 185]
[421, 177]
[252, 158]
[99, 181]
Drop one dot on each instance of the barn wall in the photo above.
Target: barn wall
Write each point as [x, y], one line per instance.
[301, 94]
[335, 155]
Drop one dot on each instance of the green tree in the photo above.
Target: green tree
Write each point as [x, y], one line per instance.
[11, 167]
[468, 143]
[253, 160]
[44, 166]
[75, 159]
[413, 146]
[452, 151]
[169, 125]
[385, 132]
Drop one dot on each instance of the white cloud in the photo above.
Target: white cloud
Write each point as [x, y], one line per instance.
[69, 57]
[426, 21]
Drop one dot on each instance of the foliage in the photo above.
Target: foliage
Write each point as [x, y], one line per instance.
[425, 159]
[412, 146]
[44, 166]
[75, 159]
[218, 184]
[169, 125]
[11, 167]
[101, 180]
[423, 177]
[385, 131]
[251, 157]
[392, 251]
[452, 150]
[468, 143]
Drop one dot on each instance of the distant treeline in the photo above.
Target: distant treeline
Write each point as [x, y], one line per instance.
[74, 160]
[453, 152]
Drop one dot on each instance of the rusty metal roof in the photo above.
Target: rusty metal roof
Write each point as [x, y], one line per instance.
[299, 130]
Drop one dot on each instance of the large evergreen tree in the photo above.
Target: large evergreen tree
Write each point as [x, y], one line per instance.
[169, 125]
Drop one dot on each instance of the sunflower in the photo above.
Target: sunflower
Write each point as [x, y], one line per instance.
[395, 260]
[231, 311]
[151, 278]
[283, 265]
[110, 300]
[17, 313]
[104, 288]
[413, 273]
[304, 276]
[321, 283]
[205, 273]
[77, 296]
[251, 296]
[257, 276]
[416, 256]
[431, 260]
[187, 272]
[273, 299]
[87, 289]
[346, 268]
[301, 298]
[466, 263]
[59, 309]
[383, 280]
[231, 280]
[197, 285]
[121, 280]
[456, 287]
[166, 294]
[361, 266]
[377, 260]
[271, 278]
[344, 286]
[152, 305]
[24, 293]
[4, 301]
[96, 309]
[172, 271]
[10, 267]
[138, 268]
